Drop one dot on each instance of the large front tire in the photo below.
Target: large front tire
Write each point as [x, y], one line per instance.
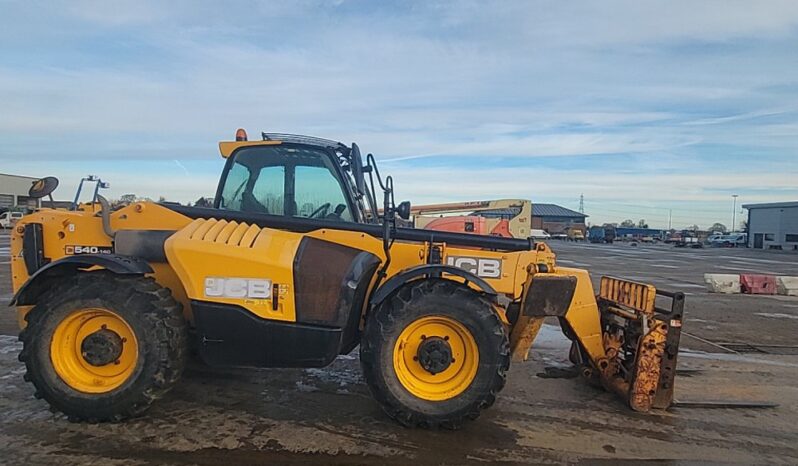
[435, 354]
[103, 347]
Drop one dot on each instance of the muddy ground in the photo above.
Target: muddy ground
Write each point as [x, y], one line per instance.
[326, 416]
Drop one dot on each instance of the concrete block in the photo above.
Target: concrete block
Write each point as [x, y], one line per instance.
[722, 283]
[787, 286]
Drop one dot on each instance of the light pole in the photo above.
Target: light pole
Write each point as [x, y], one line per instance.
[734, 212]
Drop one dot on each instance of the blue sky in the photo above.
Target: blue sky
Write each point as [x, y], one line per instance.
[646, 108]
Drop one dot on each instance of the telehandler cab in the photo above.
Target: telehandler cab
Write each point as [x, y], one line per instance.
[296, 264]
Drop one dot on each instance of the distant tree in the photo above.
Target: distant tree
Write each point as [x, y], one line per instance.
[744, 226]
[203, 202]
[718, 228]
[127, 198]
[628, 223]
[124, 199]
[161, 199]
[693, 228]
[642, 223]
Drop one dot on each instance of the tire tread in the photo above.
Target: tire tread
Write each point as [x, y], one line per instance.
[155, 304]
[381, 324]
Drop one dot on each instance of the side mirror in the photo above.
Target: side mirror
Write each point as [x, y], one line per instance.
[357, 169]
[403, 210]
[43, 187]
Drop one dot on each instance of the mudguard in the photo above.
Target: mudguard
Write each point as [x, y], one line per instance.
[36, 284]
[412, 273]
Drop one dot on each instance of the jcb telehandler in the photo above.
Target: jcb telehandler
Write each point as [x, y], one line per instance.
[296, 264]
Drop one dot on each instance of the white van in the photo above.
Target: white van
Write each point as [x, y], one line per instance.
[8, 219]
[732, 240]
[540, 234]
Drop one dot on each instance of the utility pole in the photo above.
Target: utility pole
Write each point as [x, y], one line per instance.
[734, 212]
[581, 203]
[670, 217]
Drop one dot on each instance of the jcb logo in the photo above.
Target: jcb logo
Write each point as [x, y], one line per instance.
[479, 266]
[254, 288]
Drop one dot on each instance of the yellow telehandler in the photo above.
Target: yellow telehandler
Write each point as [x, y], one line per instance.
[295, 264]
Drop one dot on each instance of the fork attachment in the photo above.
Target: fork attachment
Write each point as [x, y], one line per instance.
[641, 342]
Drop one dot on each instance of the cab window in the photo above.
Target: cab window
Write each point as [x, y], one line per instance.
[317, 190]
[294, 181]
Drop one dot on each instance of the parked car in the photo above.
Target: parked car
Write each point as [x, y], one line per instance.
[732, 240]
[715, 236]
[540, 234]
[8, 219]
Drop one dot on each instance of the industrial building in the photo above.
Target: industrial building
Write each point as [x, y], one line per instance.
[14, 193]
[773, 225]
[555, 219]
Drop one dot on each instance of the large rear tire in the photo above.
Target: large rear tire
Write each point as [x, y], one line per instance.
[103, 347]
[435, 354]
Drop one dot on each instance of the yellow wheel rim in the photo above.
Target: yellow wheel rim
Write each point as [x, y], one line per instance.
[71, 361]
[451, 381]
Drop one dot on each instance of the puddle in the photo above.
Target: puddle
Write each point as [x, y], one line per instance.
[776, 315]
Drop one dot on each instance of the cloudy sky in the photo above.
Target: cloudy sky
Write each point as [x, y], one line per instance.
[649, 109]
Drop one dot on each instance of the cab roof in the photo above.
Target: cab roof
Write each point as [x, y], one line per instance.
[270, 139]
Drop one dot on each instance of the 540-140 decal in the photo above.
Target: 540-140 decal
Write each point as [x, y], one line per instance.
[72, 250]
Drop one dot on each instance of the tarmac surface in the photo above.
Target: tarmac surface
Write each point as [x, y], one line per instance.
[326, 416]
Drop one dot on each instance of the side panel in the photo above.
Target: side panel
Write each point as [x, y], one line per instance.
[232, 336]
[307, 312]
[505, 272]
[274, 274]
[238, 264]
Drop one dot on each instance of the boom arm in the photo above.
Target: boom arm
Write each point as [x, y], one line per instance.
[518, 225]
[469, 206]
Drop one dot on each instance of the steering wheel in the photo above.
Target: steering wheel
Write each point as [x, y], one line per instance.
[320, 211]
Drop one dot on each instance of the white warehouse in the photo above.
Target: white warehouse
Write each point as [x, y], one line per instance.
[14, 193]
[773, 225]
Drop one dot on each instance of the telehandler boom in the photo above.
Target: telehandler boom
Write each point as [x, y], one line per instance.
[294, 265]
